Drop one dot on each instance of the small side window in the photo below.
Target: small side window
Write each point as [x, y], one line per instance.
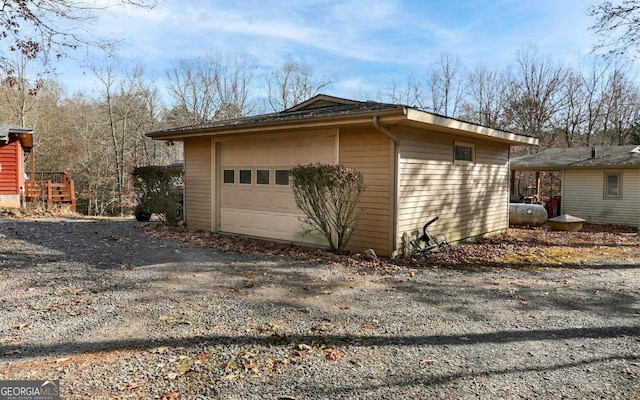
[464, 152]
[262, 177]
[229, 176]
[245, 176]
[282, 177]
[612, 186]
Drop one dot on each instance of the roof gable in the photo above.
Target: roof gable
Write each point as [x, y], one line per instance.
[321, 101]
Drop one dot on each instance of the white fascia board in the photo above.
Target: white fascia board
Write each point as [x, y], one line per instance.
[454, 124]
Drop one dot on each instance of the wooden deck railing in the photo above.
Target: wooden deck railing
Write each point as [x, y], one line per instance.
[52, 187]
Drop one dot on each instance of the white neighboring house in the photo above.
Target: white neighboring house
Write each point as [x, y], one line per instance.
[600, 184]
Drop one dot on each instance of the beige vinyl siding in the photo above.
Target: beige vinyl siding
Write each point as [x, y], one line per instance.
[471, 199]
[370, 152]
[198, 180]
[583, 197]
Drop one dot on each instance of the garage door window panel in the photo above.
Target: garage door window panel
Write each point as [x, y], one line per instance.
[262, 176]
[229, 176]
[282, 177]
[245, 176]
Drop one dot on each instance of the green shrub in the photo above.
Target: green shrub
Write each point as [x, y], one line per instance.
[328, 195]
[156, 190]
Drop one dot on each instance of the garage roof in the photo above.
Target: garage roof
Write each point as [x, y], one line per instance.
[580, 157]
[328, 111]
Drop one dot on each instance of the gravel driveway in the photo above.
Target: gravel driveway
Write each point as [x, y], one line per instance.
[114, 313]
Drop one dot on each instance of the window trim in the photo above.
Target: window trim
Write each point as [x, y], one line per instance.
[472, 146]
[606, 195]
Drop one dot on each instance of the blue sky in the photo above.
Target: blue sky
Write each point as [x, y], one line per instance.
[366, 45]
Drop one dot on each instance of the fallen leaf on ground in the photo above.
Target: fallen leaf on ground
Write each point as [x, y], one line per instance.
[203, 357]
[171, 376]
[159, 350]
[250, 366]
[334, 355]
[133, 387]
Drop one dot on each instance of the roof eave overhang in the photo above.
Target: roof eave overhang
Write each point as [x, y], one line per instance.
[394, 116]
[6, 130]
[364, 118]
[462, 128]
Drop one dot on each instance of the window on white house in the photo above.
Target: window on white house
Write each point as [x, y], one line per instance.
[612, 185]
[463, 152]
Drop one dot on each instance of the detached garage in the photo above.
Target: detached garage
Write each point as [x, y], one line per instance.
[415, 165]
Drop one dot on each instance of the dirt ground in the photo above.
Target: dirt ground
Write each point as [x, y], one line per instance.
[117, 309]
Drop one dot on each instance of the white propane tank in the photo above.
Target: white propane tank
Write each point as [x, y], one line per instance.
[527, 214]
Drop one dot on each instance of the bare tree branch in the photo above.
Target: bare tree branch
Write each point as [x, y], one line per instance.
[48, 29]
[292, 83]
[617, 25]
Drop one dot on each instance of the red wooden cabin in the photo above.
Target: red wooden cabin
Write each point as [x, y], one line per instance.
[16, 188]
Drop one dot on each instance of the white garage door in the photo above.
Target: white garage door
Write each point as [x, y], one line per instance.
[255, 196]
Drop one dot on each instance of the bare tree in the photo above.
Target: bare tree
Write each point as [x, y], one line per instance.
[210, 88]
[37, 28]
[21, 81]
[293, 82]
[571, 115]
[621, 107]
[487, 97]
[93, 169]
[124, 99]
[441, 90]
[535, 95]
[56, 146]
[447, 87]
[618, 25]
[148, 151]
[409, 92]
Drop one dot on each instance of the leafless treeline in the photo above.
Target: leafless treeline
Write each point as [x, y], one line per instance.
[98, 136]
[595, 103]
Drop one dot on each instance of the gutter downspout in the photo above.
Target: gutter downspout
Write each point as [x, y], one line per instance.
[383, 130]
[395, 180]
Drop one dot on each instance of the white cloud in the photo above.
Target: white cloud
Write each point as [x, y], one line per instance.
[365, 43]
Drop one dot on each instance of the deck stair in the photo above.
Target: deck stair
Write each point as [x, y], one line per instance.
[54, 188]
